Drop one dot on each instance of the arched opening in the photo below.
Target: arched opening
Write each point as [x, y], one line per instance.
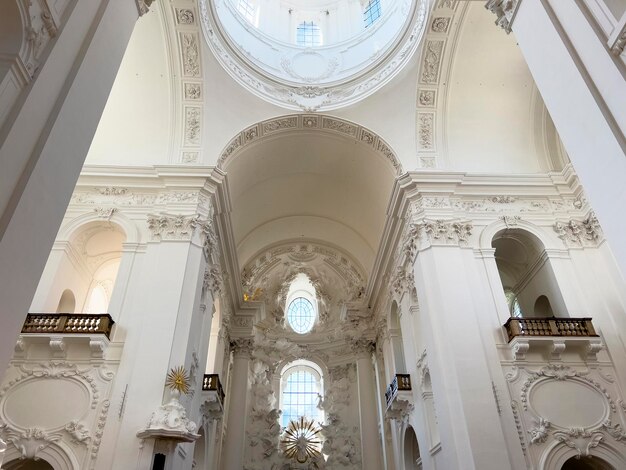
[543, 307]
[429, 405]
[395, 333]
[587, 463]
[412, 458]
[67, 302]
[301, 384]
[27, 464]
[526, 275]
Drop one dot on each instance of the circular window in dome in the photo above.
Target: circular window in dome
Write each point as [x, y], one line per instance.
[301, 315]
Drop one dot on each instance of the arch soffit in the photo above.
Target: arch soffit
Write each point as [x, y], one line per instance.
[549, 241]
[127, 226]
[57, 454]
[556, 455]
[312, 360]
[300, 123]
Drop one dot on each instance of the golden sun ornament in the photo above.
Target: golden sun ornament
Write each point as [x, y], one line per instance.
[178, 380]
[301, 441]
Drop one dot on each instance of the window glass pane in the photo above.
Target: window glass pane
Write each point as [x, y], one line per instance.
[301, 315]
[308, 34]
[246, 8]
[300, 397]
[372, 12]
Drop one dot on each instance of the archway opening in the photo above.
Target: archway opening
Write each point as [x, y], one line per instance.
[529, 282]
[27, 464]
[587, 463]
[412, 458]
[67, 302]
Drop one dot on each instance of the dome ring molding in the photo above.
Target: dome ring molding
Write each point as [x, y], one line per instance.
[326, 92]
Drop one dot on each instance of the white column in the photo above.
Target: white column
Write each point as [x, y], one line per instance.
[584, 91]
[370, 440]
[43, 149]
[468, 423]
[164, 325]
[233, 449]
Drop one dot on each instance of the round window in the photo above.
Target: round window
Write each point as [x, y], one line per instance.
[301, 315]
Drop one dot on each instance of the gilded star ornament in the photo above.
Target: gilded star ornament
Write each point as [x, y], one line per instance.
[178, 379]
[301, 441]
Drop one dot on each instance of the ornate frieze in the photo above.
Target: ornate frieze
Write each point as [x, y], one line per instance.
[432, 58]
[505, 11]
[175, 227]
[580, 233]
[300, 122]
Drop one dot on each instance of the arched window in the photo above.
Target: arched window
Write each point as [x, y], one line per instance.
[301, 383]
[372, 12]
[247, 10]
[301, 305]
[308, 34]
[514, 307]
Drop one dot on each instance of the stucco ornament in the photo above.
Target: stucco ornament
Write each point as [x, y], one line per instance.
[313, 79]
[170, 421]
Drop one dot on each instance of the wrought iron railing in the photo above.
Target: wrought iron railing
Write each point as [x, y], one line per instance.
[550, 326]
[68, 323]
[401, 382]
[211, 383]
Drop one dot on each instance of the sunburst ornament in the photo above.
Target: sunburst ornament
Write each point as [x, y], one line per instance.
[178, 380]
[301, 441]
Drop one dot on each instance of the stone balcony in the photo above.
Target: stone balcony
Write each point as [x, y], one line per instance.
[552, 336]
[60, 330]
[399, 397]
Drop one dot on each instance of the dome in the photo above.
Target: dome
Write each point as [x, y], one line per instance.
[313, 55]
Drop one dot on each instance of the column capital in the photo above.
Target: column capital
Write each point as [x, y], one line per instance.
[143, 6]
[363, 346]
[505, 10]
[242, 346]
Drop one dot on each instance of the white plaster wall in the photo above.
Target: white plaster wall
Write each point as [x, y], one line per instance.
[136, 125]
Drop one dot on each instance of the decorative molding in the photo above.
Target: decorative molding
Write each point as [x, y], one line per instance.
[185, 16]
[242, 346]
[318, 123]
[29, 441]
[193, 91]
[79, 432]
[426, 131]
[440, 24]
[433, 51]
[618, 46]
[427, 98]
[190, 54]
[99, 432]
[403, 281]
[447, 232]
[505, 10]
[580, 440]
[362, 346]
[330, 88]
[193, 125]
[580, 233]
[170, 421]
[143, 6]
[213, 279]
[539, 433]
[176, 227]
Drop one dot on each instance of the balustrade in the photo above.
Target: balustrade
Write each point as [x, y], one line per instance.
[550, 326]
[401, 382]
[68, 323]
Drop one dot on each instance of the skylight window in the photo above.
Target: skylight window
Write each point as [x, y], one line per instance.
[372, 12]
[247, 10]
[308, 34]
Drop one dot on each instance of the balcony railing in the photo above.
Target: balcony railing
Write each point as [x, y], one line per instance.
[401, 382]
[550, 326]
[68, 323]
[211, 383]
